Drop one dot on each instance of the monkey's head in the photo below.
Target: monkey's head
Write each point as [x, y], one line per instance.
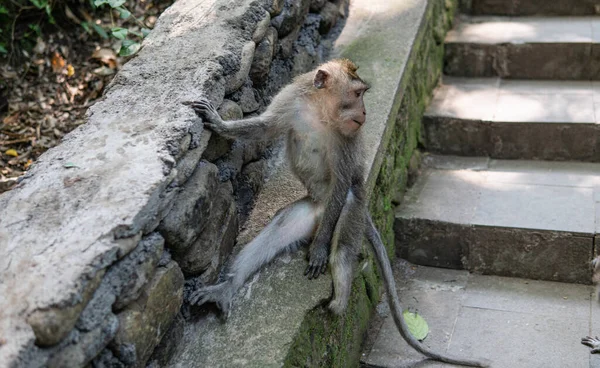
[341, 91]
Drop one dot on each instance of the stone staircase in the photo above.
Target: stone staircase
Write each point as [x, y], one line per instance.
[509, 190]
[511, 184]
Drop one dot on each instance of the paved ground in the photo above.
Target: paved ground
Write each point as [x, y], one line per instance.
[513, 322]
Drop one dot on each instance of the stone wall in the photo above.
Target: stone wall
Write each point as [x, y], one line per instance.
[95, 253]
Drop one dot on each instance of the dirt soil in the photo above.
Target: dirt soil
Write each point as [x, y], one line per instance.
[47, 94]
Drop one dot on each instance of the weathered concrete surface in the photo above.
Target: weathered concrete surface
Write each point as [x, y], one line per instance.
[273, 319]
[523, 219]
[534, 7]
[514, 119]
[523, 47]
[64, 224]
[512, 322]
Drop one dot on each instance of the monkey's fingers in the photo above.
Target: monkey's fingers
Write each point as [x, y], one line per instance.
[591, 341]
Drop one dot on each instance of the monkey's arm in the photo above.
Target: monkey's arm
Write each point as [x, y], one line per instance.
[263, 127]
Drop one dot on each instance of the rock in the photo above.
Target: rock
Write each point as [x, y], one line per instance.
[122, 282]
[135, 271]
[248, 186]
[106, 359]
[191, 211]
[279, 76]
[235, 80]
[275, 7]
[261, 28]
[263, 55]
[144, 322]
[286, 44]
[218, 146]
[316, 5]
[230, 110]
[51, 325]
[303, 61]
[306, 55]
[168, 345]
[217, 239]
[329, 16]
[84, 347]
[187, 164]
[292, 15]
[246, 98]
[7, 184]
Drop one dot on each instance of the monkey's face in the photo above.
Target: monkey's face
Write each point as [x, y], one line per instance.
[341, 96]
[352, 112]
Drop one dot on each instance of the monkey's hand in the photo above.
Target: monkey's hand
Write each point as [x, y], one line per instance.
[592, 342]
[210, 117]
[220, 294]
[317, 260]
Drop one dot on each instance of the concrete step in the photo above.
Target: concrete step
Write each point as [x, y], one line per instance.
[515, 119]
[525, 47]
[535, 7]
[530, 219]
[512, 322]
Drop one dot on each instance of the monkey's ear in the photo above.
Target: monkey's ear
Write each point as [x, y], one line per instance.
[320, 79]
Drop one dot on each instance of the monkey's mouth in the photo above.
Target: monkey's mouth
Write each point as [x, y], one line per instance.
[358, 122]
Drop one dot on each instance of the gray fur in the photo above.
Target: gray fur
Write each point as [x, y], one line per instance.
[331, 167]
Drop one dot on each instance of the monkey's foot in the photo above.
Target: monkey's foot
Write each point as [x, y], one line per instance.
[317, 263]
[592, 342]
[337, 306]
[220, 294]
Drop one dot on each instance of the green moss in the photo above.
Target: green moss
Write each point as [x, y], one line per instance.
[326, 340]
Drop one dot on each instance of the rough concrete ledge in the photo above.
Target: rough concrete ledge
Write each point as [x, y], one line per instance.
[278, 318]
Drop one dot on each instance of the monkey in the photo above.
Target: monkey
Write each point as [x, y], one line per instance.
[321, 114]
[594, 342]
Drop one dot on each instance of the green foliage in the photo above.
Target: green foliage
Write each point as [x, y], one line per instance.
[22, 21]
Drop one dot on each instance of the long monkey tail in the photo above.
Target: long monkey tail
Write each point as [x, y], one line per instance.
[394, 302]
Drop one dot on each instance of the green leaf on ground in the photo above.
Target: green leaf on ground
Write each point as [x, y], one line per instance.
[119, 33]
[3, 10]
[145, 31]
[86, 26]
[99, 30]
[69, 165]
[129, 47]
[40, 4]
[123, 13]
[416, 325]
[100, 2]
[116, 3]
[3, 49]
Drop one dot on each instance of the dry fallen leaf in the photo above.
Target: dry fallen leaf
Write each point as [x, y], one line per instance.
[103, 70]
[11, 119]
[58, 63]
[106, 56]
[12, 152]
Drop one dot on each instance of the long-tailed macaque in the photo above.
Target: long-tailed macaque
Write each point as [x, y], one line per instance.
[321, 114]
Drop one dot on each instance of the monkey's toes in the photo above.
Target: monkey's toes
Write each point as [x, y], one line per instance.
[314, 270]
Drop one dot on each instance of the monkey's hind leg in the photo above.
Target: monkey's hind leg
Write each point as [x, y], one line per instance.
[345, 246]
[292, 224]
[592, 342]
